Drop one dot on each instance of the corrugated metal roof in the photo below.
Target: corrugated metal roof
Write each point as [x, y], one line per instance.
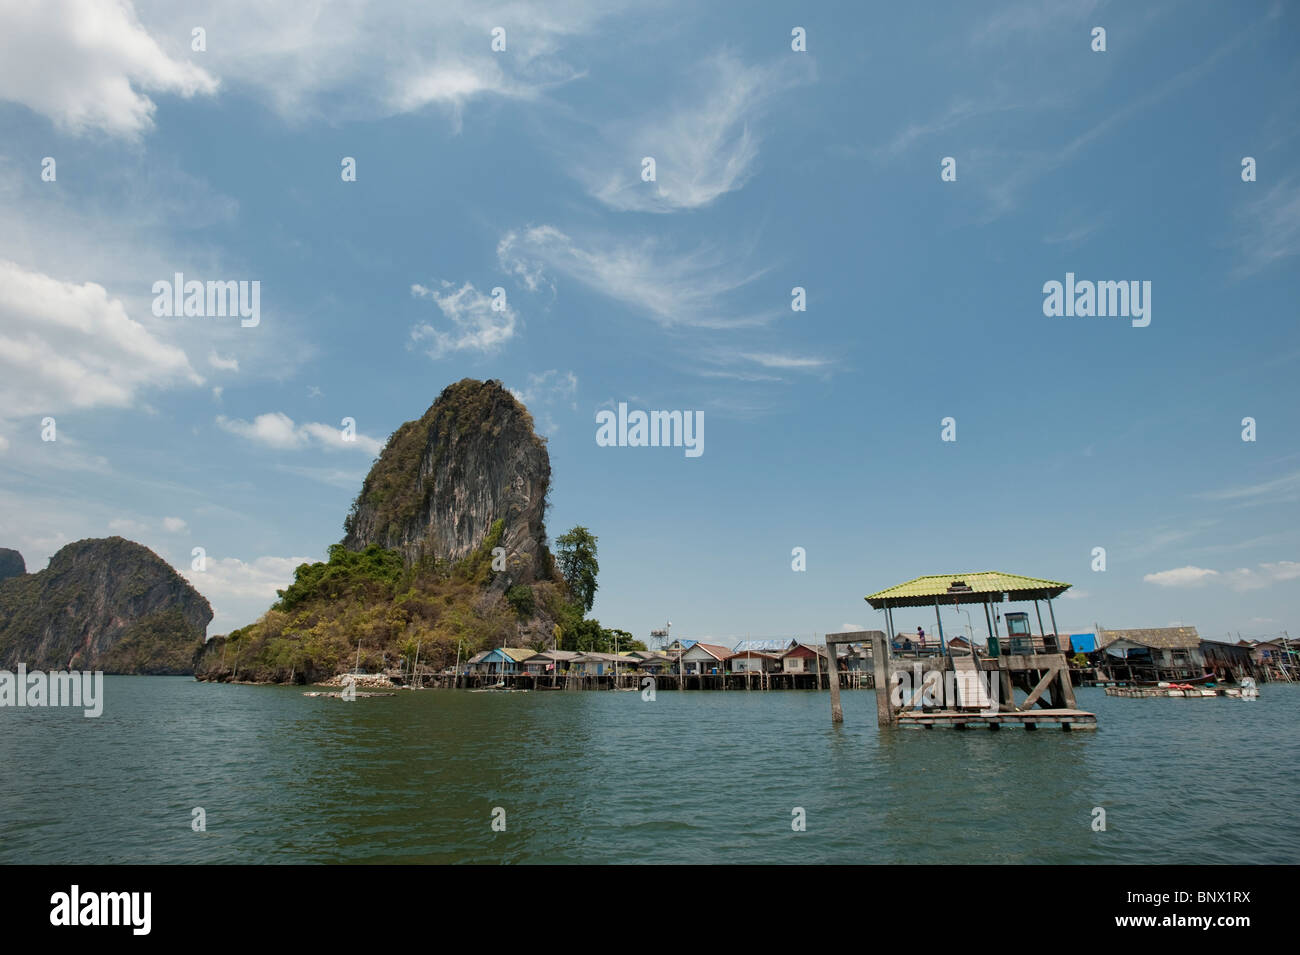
[810, 647]
[770, 645]
[1161, 638]
[1083, 642]
[974, 587]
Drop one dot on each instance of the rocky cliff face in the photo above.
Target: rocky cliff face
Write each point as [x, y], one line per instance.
[11, 564]
[102, 604]
[442, 481]
[414, 578]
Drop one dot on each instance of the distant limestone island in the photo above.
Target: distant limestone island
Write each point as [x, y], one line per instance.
[102, 604]
[444, 554]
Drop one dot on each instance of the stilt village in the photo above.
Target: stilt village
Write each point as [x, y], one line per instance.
[925, 678]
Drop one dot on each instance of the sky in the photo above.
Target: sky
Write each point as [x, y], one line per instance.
[221, 155]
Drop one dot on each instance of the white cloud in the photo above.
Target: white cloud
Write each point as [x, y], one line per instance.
[1181, 577]
[1263, 575]
[1075, 593]
[277, 430]
[174, 525]
[671, 288]
[546, 390]
[87, 64]
[127, 527]
[335, 477]
[704, 147]
[851, 627]
[222, 364]
[475, 324]
[241, 591]
[331, 437]
[343, 59]
[65, 346]
[1243, 578]
[232, 577]
[548, 386]
[787, 362]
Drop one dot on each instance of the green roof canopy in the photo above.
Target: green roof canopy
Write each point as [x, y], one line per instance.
[972, 588]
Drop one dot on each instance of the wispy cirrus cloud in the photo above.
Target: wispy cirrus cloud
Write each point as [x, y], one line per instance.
[1277, 490]
[673, 288]
[1269, 229]
[785, 362]
[704, 146]
[1030, 19]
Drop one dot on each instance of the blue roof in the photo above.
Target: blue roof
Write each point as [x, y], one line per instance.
[1083, 642]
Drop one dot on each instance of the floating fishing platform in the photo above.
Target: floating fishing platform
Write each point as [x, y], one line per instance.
[1190, 692]
[1030, 719]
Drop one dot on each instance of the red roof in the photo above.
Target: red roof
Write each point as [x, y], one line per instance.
[748, 654]
[713, 650]
[803, 650]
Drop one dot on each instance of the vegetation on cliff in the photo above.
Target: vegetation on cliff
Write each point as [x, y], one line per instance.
[11, 564]
[102, 604]
[370, 600]
[444, 554]
[393, 484]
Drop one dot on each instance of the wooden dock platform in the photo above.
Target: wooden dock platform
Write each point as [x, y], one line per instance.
[1030, 719]
[961, 690]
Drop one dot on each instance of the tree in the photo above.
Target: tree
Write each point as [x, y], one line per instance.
[578, 565]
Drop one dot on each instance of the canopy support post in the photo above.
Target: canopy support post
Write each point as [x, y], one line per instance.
[939, 623]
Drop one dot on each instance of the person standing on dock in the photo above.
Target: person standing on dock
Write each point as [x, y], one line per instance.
[920, 639]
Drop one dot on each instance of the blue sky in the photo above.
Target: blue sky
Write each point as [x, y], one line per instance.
[521, 169]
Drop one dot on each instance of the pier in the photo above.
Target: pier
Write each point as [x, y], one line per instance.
[943, 686]
[942, 689]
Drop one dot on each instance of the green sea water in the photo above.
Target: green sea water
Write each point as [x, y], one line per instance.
[603, 777]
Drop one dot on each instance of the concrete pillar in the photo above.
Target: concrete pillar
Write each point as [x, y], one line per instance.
[880, 670]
